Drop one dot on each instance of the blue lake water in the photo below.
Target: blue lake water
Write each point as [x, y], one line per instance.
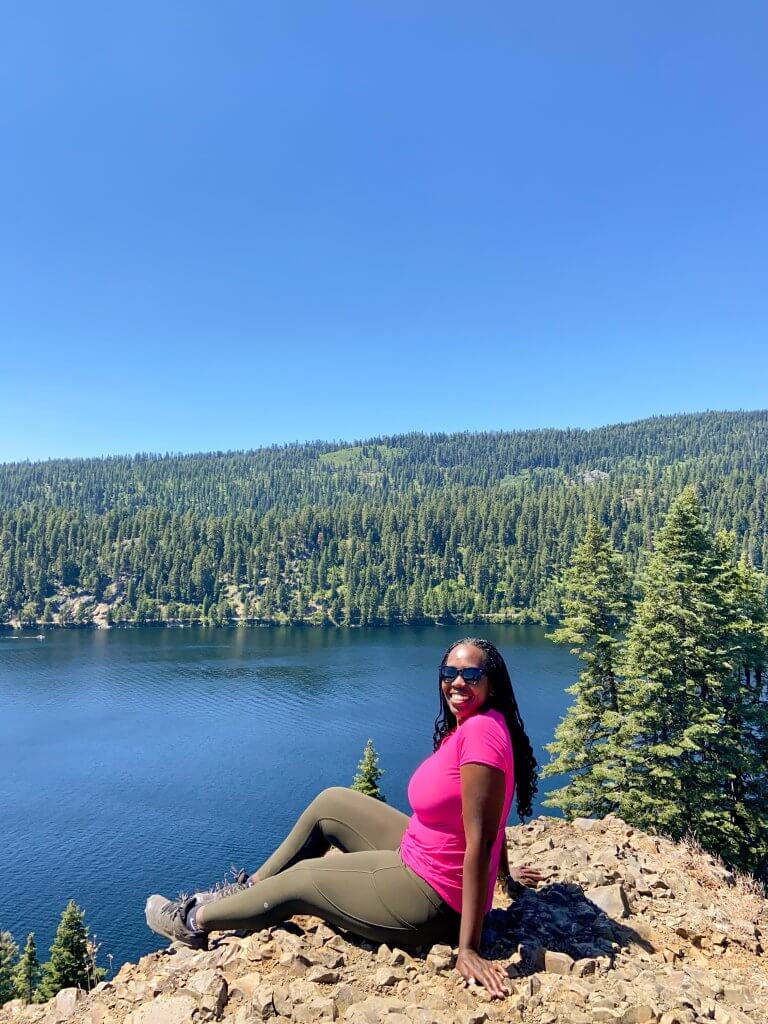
[150, 760]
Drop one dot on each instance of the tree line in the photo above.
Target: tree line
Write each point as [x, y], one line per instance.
[412, 528]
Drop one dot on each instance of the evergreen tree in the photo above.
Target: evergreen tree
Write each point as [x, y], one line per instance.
[671, 736]
[27, 974]
[8, 953]
[595, 600]
[369, 773]
[743, 739]
[71, 964]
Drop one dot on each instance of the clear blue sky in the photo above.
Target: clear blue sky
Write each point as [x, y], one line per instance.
[231, 224]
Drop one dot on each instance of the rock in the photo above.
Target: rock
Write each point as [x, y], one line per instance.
[584, 967]
[346, 996]
[262, 1002]
[557, 963]
[373, 1010]
[386, 977]
[212, 989]
[330, 958]
[65, 1002]
[318, 1008]
[282, 1002]
[440, 958]
[322, 935]
[610, 899]
[682, 1015]
[586, 824]
[322, 975]
[640, 1013]
[166, 1010]
[541, 847]
[531, 986]
[730, 1015]
[599, 1000]
[302, 991]
[97, 1013]
[473, 1016]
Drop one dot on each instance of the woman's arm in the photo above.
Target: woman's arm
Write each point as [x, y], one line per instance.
[504, 872]
[482, 802]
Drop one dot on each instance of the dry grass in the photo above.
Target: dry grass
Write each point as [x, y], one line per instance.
[742, 900]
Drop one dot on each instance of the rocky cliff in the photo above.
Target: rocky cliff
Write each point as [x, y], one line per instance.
[627, 927]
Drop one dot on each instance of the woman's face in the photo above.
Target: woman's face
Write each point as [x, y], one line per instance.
[463, 698]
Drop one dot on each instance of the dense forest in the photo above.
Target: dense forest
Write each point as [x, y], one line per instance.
[394, 529]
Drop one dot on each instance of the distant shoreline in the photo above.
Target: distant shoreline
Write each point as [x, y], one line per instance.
[525, 618]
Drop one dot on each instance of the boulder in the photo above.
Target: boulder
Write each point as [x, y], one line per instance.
[167, 1010]
[557, 963]
[610, 899]
[66, 1001]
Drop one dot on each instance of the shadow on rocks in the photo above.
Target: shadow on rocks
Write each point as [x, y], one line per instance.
[557, 918]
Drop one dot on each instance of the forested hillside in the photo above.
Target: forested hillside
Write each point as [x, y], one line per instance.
[418, 526]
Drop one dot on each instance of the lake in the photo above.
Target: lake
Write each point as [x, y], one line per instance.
[150, 760]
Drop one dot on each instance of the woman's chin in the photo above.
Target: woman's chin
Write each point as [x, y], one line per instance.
[462, 711]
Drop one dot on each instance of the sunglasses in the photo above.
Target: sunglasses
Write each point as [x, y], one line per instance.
[470, 675]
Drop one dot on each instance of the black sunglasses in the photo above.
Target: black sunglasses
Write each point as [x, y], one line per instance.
[469, 675]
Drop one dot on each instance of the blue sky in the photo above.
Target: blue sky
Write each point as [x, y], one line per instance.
[234, 224]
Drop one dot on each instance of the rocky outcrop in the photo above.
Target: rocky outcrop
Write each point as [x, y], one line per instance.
[627, 927]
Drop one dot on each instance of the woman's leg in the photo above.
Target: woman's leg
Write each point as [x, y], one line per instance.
[370, 893]
[338, 817]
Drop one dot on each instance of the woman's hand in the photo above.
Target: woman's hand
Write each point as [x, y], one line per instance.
[475, 970]
[526, 875]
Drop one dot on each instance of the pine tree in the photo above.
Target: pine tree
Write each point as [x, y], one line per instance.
[743, 739]
[71, 964]
[8, 953]
[369, 773]
[596, 606]
[27, 974]
[672, 703]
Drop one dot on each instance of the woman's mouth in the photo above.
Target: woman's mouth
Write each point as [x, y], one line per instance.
[459, 698]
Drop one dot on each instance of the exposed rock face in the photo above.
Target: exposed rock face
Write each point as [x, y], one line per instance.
[628, 928]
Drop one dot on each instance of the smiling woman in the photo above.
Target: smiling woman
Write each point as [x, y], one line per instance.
[462, 794]
[406, 882]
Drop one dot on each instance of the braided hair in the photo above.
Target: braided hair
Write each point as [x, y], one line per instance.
[502, 699]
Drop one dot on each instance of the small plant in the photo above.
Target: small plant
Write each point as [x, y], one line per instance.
[369, 773]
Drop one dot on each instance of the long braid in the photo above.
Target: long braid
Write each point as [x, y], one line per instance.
[503, 699]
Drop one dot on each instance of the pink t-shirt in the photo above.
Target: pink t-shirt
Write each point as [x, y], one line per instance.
[434, 844]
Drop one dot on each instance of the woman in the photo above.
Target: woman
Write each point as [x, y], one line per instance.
[404, 881]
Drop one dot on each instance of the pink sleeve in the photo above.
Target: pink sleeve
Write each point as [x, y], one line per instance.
[481, 740]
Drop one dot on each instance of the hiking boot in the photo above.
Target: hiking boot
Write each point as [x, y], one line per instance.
[222, 889]
[169, 918]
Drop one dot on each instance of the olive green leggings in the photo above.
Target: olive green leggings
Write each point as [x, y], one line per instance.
[366, 889]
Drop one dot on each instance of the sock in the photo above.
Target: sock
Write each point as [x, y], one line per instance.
[191, 919]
